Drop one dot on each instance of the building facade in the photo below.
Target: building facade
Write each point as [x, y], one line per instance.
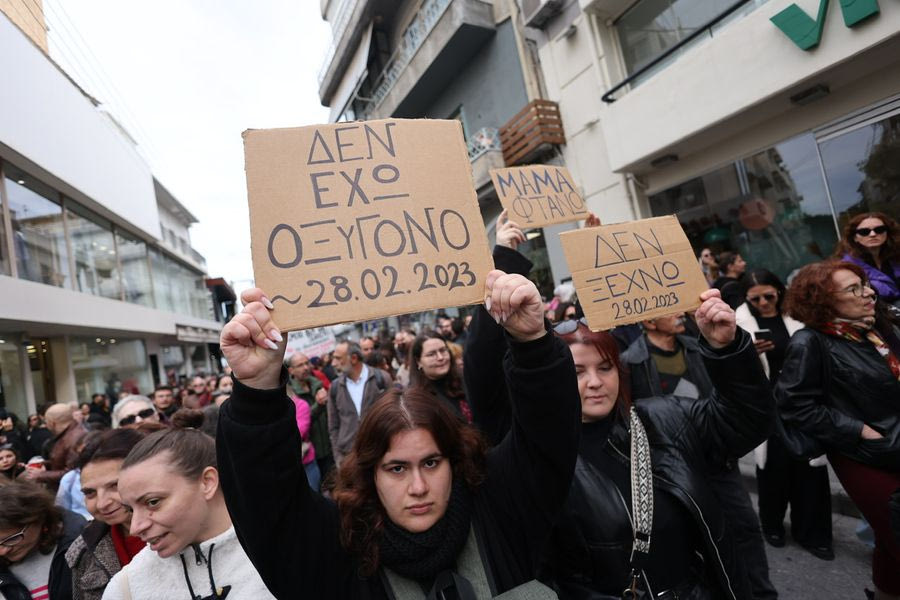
[761, 124]
[450, 59]
[101, 290]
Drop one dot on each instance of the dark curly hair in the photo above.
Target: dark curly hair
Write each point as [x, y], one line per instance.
[810, 299]
[608, 348]
[890, 251]
[24, 503]
[361, 513]
[453, 380]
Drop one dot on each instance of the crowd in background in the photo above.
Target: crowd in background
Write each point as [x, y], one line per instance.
[143, 508]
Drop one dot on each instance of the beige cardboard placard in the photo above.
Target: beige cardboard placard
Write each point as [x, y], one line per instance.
[356, 221]
[538, 195]
[633, 271]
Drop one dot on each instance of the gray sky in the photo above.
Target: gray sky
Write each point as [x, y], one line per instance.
[187, 78]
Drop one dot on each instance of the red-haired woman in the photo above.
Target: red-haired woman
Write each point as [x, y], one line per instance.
[870, 241]
[421, 509]
[839, 386]
[650, 463]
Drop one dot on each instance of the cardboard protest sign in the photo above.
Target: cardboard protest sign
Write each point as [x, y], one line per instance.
[317, 341]
[633, 271]
[538, 195]
[356, 221]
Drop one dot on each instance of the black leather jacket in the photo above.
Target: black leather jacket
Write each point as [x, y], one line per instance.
[688, 440]
[829, 387]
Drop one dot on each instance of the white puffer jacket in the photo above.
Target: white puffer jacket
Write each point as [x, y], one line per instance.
[149, 577]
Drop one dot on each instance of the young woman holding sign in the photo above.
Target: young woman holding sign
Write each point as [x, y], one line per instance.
[421, 510]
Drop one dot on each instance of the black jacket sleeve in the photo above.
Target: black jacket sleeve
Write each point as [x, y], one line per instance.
[486, 390]
[289, 532]
[530, 471]
[740, 413]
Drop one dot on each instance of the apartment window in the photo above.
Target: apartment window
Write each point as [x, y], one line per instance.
[38, 229]
[163, 285]
[94, 250]
[651, 27]
[136, 281]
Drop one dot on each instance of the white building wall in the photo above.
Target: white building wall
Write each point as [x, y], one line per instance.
[46, 119]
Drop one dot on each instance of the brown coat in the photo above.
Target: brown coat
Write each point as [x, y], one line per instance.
[63, 454]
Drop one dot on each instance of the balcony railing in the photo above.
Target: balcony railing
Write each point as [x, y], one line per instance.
[536, 127]
[341, 20]
[484, 140]
[417, 32]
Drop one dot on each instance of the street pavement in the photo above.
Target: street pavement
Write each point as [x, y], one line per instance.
[797, 574]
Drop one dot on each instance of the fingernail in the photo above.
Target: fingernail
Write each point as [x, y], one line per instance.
[276, 335]
[272, 345]
[267, 303]
[503, 316]
[487, 303]
[497, 318]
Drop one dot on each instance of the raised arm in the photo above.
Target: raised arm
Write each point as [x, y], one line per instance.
[530, 471]
[289, 532]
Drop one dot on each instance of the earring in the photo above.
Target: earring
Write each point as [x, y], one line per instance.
[420, 366]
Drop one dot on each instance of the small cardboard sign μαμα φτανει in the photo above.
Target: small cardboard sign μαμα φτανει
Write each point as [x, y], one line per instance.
[633, 271]
[357, 221]
[538, 195]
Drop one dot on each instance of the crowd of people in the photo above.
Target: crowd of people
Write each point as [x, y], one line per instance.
[508, 453]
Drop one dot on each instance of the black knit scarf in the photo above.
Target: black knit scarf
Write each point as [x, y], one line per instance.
[421, 556]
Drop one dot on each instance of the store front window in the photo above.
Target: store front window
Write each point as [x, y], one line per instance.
[12, 387]
[38, 229]
[109, 366]
[862, 167]
[772, 207]
[96, 267]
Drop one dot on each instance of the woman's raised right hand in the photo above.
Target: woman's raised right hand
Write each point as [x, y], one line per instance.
[252, 343]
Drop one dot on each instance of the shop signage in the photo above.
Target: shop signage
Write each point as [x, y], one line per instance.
[806, 32]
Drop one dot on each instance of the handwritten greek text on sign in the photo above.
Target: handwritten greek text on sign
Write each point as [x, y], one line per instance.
[538, 195]
[633, 271]
[356, 221]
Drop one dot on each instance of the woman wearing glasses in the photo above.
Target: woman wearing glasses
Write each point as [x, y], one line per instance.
[34, 537]
[133, 410]
[783, 479]
[839, 386]
[433, 369]
[870, 241]
[641, 515]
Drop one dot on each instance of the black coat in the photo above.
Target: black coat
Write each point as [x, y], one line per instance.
[829, 387]
[291, 533]
[689, 440]
[60, 581]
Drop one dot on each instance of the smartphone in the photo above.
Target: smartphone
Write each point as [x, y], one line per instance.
[764, 334]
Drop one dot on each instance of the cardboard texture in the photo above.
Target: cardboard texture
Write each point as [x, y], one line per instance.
[633, 271]
[357, 221]
[538, 195]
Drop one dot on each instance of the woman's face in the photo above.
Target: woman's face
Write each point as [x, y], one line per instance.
[598, 382]
[414, 481]
[100, 486]
[738, 267]
[26, 543]
[169, 512]
[225, 384]
[764, 298]
[435, 359]
[707, 257]
[7, 460]
[871, 240]
[852, 299]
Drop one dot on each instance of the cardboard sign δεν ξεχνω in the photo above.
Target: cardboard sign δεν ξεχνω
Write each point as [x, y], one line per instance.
[633, 271]
[357, 221]
[538, 195]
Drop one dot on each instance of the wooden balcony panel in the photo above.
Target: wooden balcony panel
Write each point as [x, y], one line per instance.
[536, 126]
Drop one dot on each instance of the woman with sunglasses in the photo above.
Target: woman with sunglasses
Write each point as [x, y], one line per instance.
[783, 479]
[133, 410]
[34, 537]
[870, 241]
[838, 389]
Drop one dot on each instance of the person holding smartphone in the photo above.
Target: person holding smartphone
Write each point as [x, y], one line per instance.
[781, 478]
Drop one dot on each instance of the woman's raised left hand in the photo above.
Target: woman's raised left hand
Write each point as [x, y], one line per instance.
[515, 303]
[715, 319]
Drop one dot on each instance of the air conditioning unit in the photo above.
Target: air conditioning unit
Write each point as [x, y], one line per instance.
[536, 13]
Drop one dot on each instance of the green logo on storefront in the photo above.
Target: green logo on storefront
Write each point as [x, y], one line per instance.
[806, 32]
